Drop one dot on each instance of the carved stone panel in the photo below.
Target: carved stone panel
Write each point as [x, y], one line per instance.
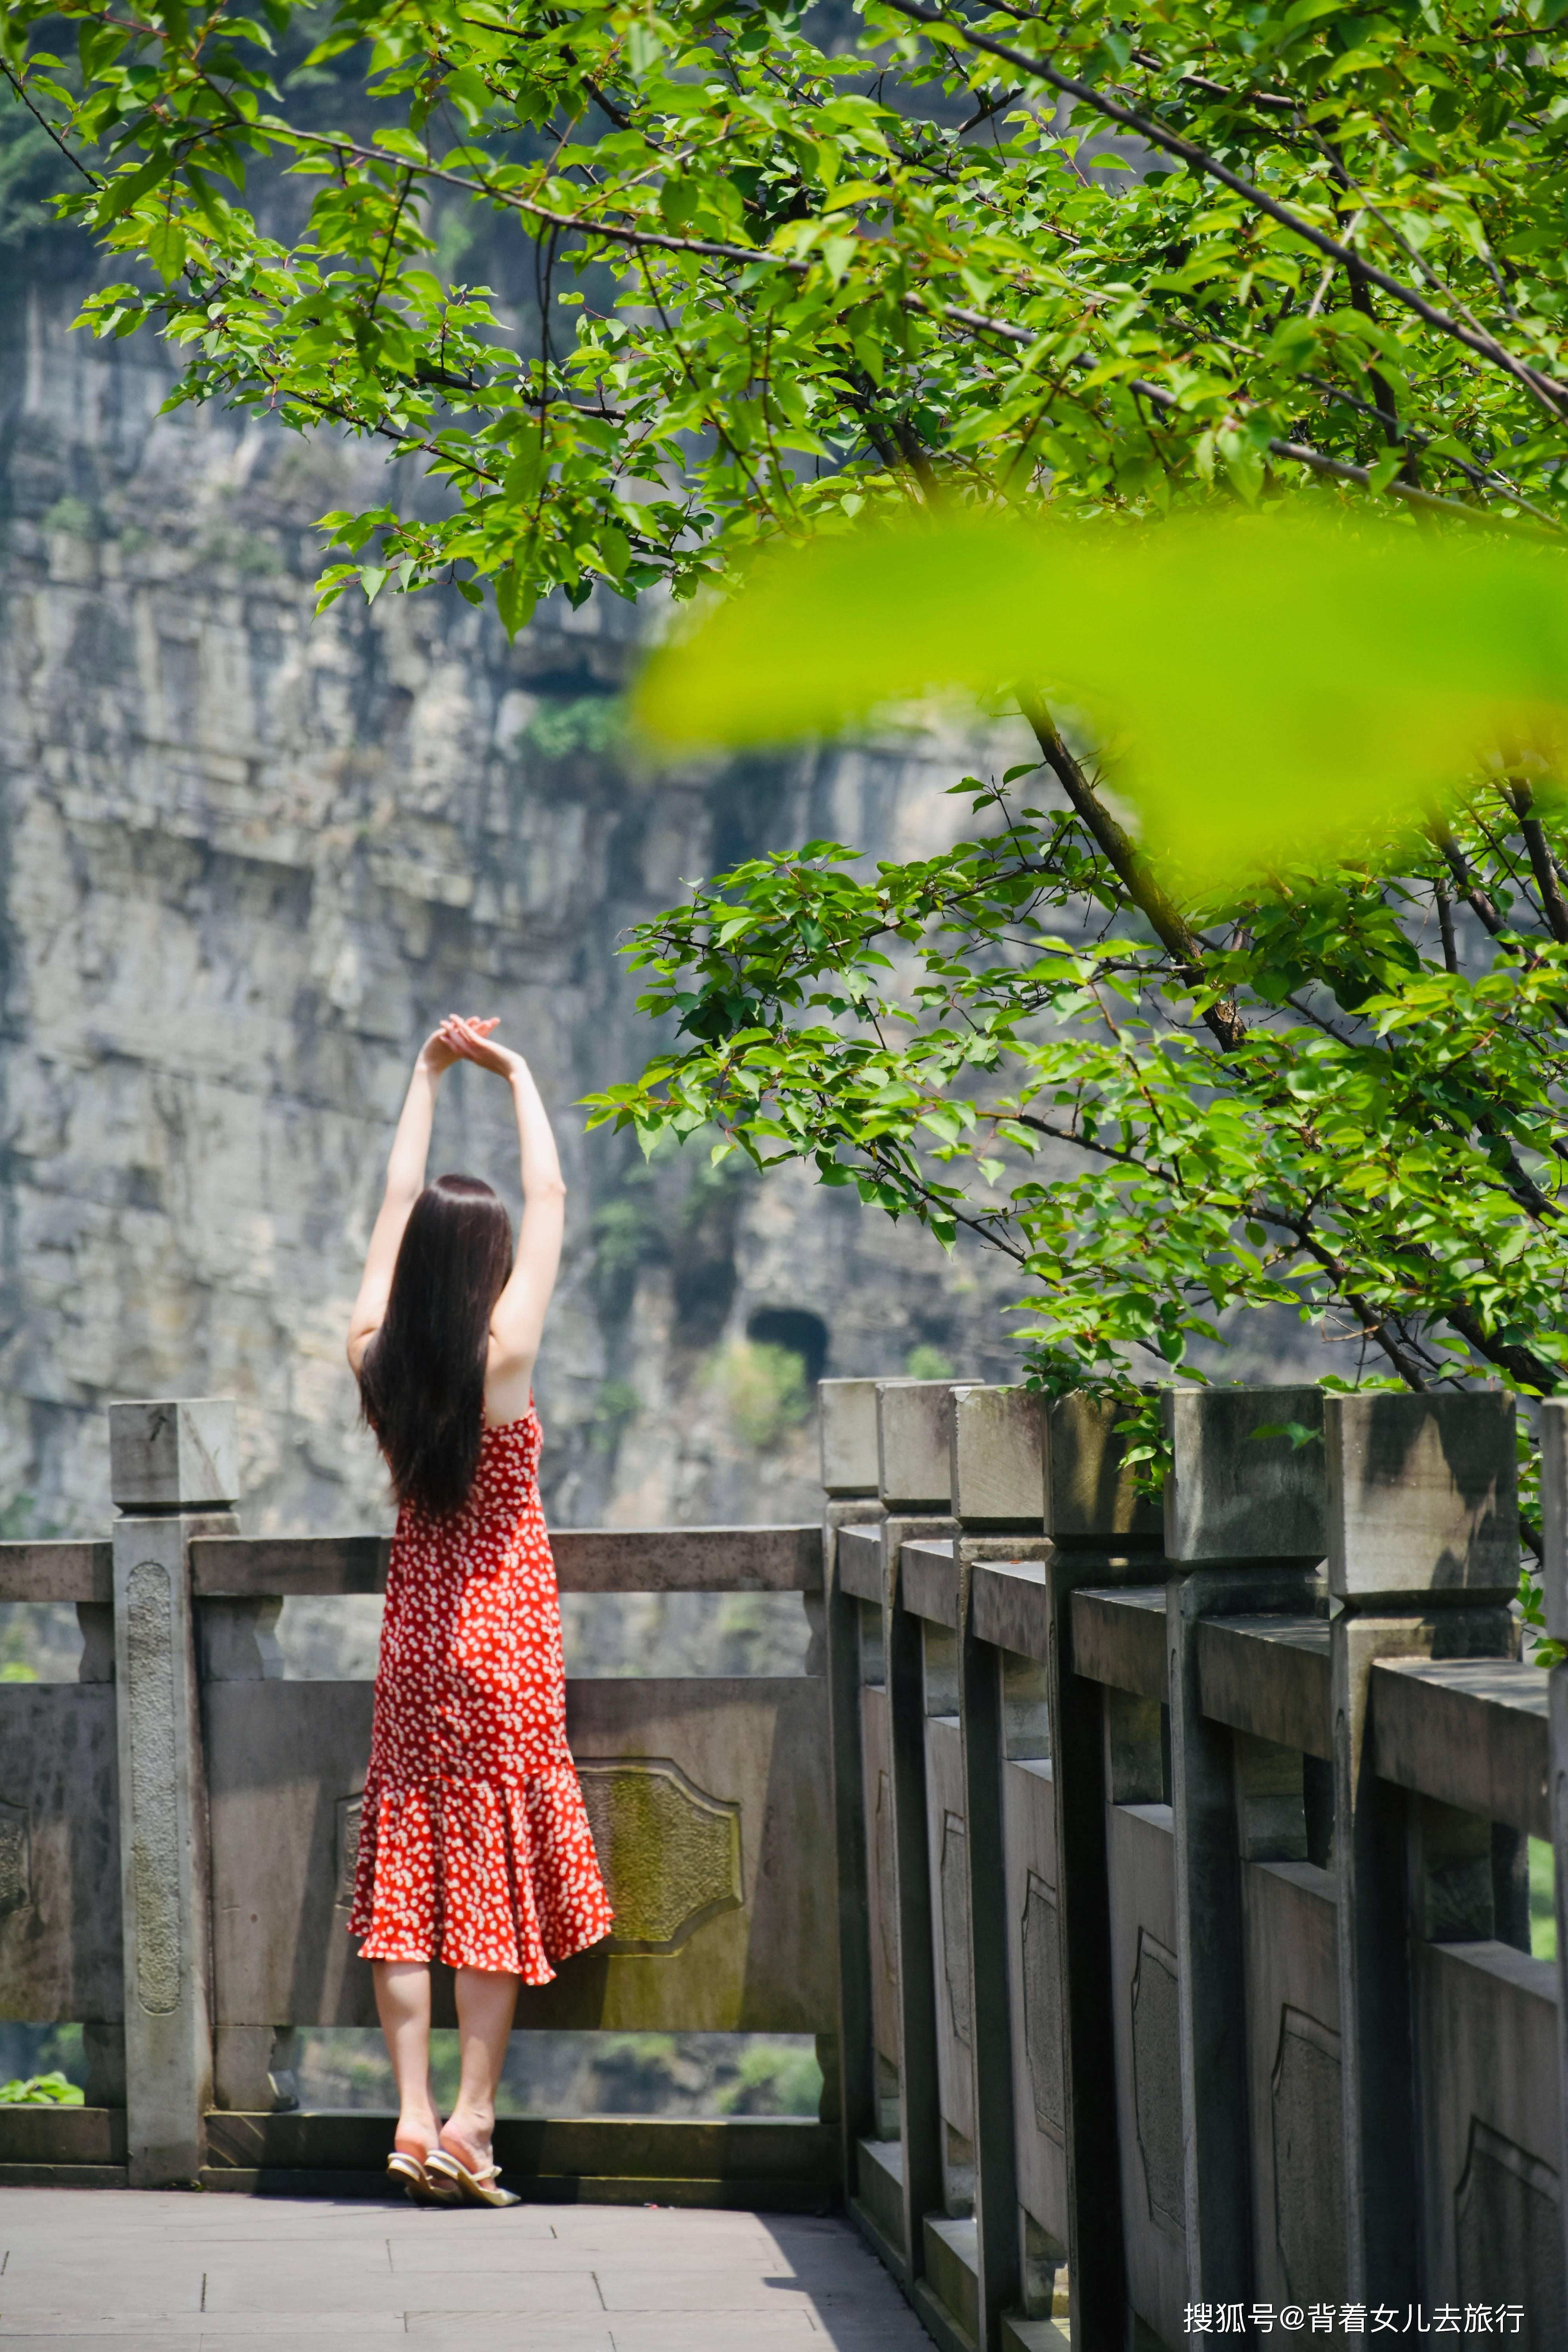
[947, 1863]
[1308, 2177]
[15, 1875]
[884, 1949]
[884, 1880]
[61, 1950]
[154, 1853]
[350, 1811]
[1034, 1998]
[1508, 2229]
[1141, 1858]
[670, 1853]
[956, 1925]
[1043, 2008]
[1157, 2082]
[710, 1800]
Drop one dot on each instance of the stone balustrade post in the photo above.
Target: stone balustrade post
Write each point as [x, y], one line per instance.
[997, 1472]
[1423, 1561]
[997, 1486]
[1244, 1533]
[1554, 1585]
[173, 1475]
[847, 1421]
[914, 1482]
[1102, 1531]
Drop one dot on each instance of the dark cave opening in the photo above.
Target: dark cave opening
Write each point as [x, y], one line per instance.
[794, 1328]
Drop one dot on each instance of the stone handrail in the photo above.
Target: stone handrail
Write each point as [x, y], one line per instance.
[587, 1560]
[1185, 1938]
[57, 1572]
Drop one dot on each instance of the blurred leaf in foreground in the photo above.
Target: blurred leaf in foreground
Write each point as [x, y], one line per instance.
[1267, 686]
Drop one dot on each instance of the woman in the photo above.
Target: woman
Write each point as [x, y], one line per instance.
[474, 1846]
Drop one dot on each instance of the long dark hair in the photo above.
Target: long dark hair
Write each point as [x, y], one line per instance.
[421, 1377]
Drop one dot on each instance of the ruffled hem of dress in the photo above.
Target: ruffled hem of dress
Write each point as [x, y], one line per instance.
[480, 1874]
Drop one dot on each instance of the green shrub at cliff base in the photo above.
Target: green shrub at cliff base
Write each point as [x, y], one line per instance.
[764, 1390]
[41, 2091]
[773, 2079]
[901, 264]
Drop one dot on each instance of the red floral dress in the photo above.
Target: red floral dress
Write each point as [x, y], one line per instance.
[474, 1847]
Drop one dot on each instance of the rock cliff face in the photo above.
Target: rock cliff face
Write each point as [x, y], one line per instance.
[249, 859]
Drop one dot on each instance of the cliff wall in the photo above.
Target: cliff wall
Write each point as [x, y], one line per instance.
[249, 857]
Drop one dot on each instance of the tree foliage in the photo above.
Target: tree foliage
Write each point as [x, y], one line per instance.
[789, 269]
[1025, 251]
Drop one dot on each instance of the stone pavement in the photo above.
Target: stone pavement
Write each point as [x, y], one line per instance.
[152, 2271]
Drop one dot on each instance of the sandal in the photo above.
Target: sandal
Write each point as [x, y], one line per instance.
[474, 2188]
[414, 2179]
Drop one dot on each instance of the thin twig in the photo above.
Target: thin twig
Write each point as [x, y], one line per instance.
[93, 179]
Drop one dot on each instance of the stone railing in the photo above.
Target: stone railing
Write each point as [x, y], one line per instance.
[178, 1830]
[1184, 1939]
[1152, 1877]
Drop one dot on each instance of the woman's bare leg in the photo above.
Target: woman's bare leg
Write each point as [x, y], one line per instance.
[486, 2000]
[403, 2005]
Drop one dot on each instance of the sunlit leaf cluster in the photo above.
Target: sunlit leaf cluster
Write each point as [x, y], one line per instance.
[1098, 260]
[1376, 1148]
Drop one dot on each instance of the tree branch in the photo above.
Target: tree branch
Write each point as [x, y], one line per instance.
[1115, 844]
[1298, 453]
[1522, 802]
[92, 178]
[1394, 432]
[1446, 927]
[1522, 1364]
[1519, 1363]
[1373, 1326]
[1482, 905]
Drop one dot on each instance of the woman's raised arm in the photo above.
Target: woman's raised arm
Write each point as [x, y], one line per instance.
[405, 1183]
[517, 1319]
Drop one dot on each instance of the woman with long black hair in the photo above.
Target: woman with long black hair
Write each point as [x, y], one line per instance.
[474, 1846]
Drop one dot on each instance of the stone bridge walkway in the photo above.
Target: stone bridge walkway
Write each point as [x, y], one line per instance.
[166, 2273]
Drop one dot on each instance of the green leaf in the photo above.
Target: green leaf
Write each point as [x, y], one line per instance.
[1237, 754]
[515, 600]
[167, 246]
[129, 187]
